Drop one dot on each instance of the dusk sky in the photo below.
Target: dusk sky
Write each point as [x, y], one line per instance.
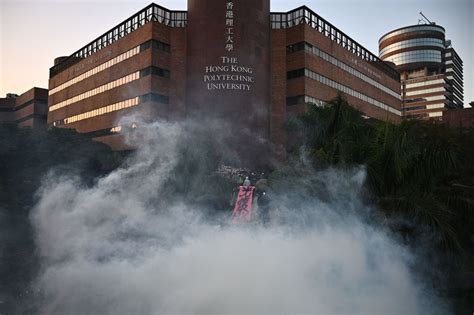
[33, 33]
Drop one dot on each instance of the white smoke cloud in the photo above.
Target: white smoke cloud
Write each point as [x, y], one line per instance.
[121, 247]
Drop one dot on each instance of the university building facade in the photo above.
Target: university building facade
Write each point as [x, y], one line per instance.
[231, 60]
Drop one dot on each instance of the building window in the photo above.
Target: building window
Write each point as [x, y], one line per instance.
[345, 89]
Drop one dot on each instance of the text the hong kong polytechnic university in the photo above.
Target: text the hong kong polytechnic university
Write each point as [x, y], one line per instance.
[229, 76]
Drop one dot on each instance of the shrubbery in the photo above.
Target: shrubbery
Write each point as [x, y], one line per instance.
[420, 174]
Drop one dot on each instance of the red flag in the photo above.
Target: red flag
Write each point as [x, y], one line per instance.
[243, 205]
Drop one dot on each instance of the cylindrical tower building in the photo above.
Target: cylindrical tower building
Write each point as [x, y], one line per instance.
[228, 67]
[420, 54]
[414, 47]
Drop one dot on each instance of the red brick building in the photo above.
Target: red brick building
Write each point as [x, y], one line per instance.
[27, 110]
[234, 60]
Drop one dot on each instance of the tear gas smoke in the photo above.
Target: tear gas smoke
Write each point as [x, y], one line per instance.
[130, 245]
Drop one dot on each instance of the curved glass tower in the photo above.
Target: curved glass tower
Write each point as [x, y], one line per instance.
[431, 71]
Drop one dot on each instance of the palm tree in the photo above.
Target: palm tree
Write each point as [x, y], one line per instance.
[410, 166]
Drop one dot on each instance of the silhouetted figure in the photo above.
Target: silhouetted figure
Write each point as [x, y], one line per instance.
[252, 178]
[264, 207]
[247, 182]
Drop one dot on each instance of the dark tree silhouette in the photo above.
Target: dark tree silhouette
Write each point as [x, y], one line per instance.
[419, 173]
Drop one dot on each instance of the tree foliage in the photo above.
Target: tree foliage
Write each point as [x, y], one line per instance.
[418, 171]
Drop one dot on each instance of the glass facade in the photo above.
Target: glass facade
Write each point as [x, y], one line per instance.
[417, 42]
[416, 56]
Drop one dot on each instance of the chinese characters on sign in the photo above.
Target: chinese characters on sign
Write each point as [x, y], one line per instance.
[228, 73]
[243, 205]
[229, 26]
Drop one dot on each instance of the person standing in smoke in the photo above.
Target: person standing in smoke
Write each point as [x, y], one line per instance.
[264, 207]
[247, 182]
[253, 178]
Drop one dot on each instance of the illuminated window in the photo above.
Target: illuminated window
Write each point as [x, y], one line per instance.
[95, 91]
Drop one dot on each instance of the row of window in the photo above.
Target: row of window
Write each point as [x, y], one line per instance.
[458, 93]
[340, 87]
[454, 57]
[155, 71]
[458, 88]
[164, 16]
[425, 91]
[435, 114]
[453, 72]
[435, 98]
[304, 99]
[111, 85]
[458, 79]
[409, 109]
[417, 42]
[327, 57]
[454, 65]
[416, 115]
[128, 54]
[427, 99]
[423, 115]
[416, 56]
[455, 68]
[435, 106]
[424, 83]
[308, 17]
[151, 97]
[155, 44]
[416, 28]
[100, 111]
